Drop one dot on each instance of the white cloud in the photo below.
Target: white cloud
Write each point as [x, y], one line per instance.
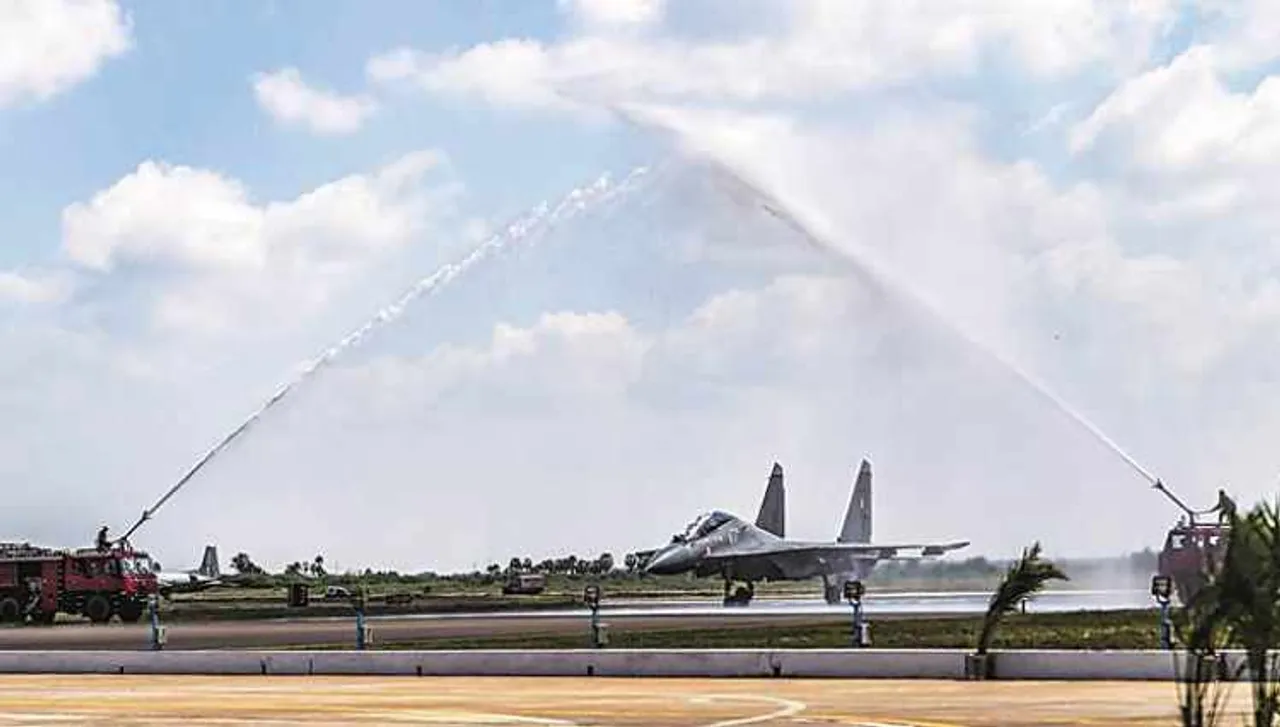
[290, 101]
[562, 359]
[47, 46]
[1198, 163]
[1195, 317]
[826, 46]
[1182, 117]
[1242, 32]
[508, 72]
[228, 255]
[24, 288]
[611, 14]
[753, 337]
[1000, 246]
[161, 212]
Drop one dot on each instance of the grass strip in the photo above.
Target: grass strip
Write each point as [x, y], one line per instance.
[1090, 630]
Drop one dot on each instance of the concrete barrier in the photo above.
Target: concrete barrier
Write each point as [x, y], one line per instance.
[1102, 665]
[873, 663]
[748, 663]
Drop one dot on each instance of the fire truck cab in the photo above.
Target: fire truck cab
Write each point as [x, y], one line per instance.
[1192, 550]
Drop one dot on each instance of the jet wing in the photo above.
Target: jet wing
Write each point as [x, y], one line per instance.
[782, 559]
[860, 551]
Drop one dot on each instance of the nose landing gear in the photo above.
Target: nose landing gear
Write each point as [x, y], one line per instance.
[739, 594]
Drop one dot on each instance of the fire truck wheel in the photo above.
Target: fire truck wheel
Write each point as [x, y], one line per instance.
[10, 609]
[98, 608]
[130, 612]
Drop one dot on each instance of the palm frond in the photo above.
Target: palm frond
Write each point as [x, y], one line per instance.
[1026, 577]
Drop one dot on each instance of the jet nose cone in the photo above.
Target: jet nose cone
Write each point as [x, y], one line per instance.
[668, 561]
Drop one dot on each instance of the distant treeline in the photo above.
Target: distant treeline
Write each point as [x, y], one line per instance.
[1136, 565]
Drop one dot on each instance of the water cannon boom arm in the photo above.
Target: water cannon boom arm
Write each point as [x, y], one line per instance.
[1191, 514]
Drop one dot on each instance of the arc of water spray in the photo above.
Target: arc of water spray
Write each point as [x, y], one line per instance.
[776, 209]
[540, 218]
[865, 265]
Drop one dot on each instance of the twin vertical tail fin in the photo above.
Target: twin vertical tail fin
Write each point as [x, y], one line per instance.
[857, 520]
[209, 564]
[773, 509]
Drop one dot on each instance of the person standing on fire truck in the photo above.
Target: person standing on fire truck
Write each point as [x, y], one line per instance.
[1226, 507]
[103, 543]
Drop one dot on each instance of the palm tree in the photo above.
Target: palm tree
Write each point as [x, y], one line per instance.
[1244, 597]
[1202, 630]
[1027, 576]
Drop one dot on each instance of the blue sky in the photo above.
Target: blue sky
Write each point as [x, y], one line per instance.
[199, 197]
[184, 94]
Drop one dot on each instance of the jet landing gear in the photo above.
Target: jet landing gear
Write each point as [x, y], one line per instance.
[833, 589]
[739, 594]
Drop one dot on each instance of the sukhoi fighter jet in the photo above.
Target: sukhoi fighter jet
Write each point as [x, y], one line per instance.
[721, 543]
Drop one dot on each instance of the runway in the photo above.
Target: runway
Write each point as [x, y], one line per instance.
[638, 615]
[124, 700]
[926, 603]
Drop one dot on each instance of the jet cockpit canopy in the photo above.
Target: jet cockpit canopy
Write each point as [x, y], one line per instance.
[703, 526]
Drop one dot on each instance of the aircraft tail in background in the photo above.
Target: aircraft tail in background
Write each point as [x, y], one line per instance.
[773, 509]
[209, 564]
[857, 520]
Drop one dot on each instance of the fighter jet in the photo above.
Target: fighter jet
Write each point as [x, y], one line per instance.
[721, 543]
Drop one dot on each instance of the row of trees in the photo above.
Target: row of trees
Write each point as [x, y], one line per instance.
[572, 565]
[1142, 563]
[244, 566]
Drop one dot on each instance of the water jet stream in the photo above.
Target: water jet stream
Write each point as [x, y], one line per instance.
[538, 221]
[778, 211]
[863, 264]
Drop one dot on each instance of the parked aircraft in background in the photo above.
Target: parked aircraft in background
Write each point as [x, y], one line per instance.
[209, 574]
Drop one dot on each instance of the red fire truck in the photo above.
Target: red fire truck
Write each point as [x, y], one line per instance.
[37, 583]
[1193, 549]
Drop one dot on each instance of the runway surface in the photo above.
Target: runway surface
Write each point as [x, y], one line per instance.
[921, 602]
[124, 700]
[297, 632]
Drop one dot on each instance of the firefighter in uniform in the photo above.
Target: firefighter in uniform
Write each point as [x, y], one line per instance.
[1226, 507]
[33, 596]
[103, 543]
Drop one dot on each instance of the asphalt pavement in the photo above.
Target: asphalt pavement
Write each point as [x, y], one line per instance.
[565, 702]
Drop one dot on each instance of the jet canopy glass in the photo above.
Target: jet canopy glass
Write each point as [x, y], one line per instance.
[706, 524]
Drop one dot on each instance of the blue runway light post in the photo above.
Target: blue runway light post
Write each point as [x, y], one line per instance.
[591, 597]
[157, 631]
[357, 601]
[1162, 591]
[853, 592]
